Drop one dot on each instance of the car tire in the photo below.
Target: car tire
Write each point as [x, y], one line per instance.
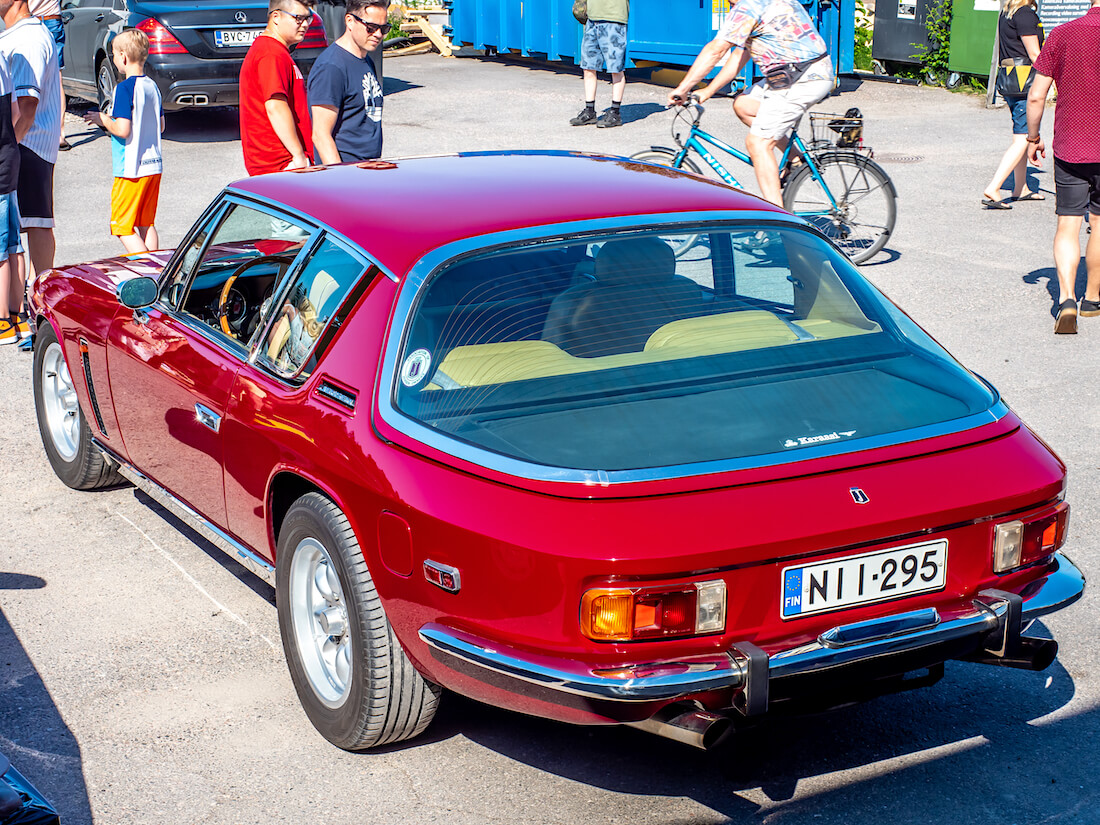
[105, 82]
[354, 681]
[75, 458]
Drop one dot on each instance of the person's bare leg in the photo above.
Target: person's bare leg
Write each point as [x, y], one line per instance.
[41, 247]
[745, 108]
[133, 243]
[18, 278]
[7, 273]
[1067, 255]
[61, 86]
[618, 86]
[149, 236]
[1092, 266]
[1014, 161]
[589, 85]
[766, 167]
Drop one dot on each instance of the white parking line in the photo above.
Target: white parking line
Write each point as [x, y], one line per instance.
[221, 607]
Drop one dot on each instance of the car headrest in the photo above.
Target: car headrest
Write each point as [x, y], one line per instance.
[634, 261]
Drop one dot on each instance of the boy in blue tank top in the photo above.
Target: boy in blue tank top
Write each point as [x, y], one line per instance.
[135, 124]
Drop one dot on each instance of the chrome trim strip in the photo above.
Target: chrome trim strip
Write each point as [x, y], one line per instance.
[251, 199]
[214, 534]
[597, 477]
[676, 679]
[720, 672]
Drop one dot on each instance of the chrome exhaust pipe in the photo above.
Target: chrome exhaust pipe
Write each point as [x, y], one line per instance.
[202, 100]
[698, 728]
[185, 100]
[1028, 653]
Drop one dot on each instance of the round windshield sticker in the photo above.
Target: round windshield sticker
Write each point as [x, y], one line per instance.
[416, 366]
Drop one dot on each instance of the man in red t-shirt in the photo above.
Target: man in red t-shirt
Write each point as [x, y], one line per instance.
[1069, 58]
[275, 128]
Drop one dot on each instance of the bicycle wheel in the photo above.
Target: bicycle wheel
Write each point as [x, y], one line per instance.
[665, 157]
[866, 202]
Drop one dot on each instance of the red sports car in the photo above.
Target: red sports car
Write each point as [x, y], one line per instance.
[572, 435]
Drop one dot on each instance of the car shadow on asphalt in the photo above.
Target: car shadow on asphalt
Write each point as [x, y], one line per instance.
[1050, 275]
[246, 576]
[216, 124]
[984, 735]
[32, 733]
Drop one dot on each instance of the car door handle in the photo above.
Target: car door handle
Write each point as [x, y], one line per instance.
[208, 418]
[67, 17]
[99, 18]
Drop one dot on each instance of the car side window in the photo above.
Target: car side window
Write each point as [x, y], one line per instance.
[230, 270]
[322, 284]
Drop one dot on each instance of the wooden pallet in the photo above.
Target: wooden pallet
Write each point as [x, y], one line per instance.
[418, 24]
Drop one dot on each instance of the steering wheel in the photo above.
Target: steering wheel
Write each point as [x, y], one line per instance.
[223, 299]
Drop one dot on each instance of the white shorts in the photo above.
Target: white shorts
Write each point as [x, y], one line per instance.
[782, 109]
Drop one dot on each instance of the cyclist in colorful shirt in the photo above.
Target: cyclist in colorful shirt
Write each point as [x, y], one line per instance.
[781, 39]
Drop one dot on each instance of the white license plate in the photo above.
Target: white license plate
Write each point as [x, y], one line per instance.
[871, 577]
[226, 38]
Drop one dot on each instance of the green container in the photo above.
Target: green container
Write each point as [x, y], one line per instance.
[973, 33]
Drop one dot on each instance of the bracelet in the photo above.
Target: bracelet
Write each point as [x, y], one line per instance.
[1036, 140]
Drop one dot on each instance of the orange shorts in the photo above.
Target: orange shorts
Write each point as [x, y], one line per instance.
[134, 203]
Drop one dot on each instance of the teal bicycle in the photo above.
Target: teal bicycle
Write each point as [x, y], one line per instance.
[832, 183]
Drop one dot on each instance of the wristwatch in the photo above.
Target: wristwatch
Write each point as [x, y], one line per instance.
[1035, 139]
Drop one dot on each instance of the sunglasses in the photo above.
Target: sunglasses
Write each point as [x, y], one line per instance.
[372, 28]
[300, 19]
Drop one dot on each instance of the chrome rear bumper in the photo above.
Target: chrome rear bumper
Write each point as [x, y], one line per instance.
[994, 627]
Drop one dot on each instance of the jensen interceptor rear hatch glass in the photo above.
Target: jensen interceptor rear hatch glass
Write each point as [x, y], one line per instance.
[649, 350]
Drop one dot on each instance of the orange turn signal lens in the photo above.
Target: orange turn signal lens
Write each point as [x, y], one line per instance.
[606, 614]
[623, 615]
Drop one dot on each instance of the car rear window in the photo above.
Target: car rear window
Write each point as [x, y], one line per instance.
[648, 350]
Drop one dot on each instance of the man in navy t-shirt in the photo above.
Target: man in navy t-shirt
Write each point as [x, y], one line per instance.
[345, 97]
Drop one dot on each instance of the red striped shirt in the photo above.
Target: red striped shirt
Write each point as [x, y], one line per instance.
[1071, 55]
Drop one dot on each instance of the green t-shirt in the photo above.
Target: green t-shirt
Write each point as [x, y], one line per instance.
[612, 11]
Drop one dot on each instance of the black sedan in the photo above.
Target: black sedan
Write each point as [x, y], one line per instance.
[195, 48]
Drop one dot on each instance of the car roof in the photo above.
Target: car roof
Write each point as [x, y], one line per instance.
[399, 210]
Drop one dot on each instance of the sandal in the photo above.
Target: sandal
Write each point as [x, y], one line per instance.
[989, 203]
[1032, 196]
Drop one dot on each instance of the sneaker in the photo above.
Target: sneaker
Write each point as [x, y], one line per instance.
[8, 335]
[22, 328]
[586, 117]
[609, 118]
[1066, 322]
[1089, 309]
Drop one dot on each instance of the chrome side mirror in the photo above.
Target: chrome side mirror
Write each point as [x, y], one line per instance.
[137, 293]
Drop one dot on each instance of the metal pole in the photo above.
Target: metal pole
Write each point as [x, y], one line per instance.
[994, 62]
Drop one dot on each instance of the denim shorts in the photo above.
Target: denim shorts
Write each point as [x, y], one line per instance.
[58, 31]
[9, 225]
[1018, 107]
[604, 44]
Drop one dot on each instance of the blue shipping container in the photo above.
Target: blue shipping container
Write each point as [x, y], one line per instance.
[669, 33]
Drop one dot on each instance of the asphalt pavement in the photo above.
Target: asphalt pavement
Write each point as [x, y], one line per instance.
[141, 676]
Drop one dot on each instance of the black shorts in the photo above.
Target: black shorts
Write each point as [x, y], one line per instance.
[1076, 188]
[35, 190]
